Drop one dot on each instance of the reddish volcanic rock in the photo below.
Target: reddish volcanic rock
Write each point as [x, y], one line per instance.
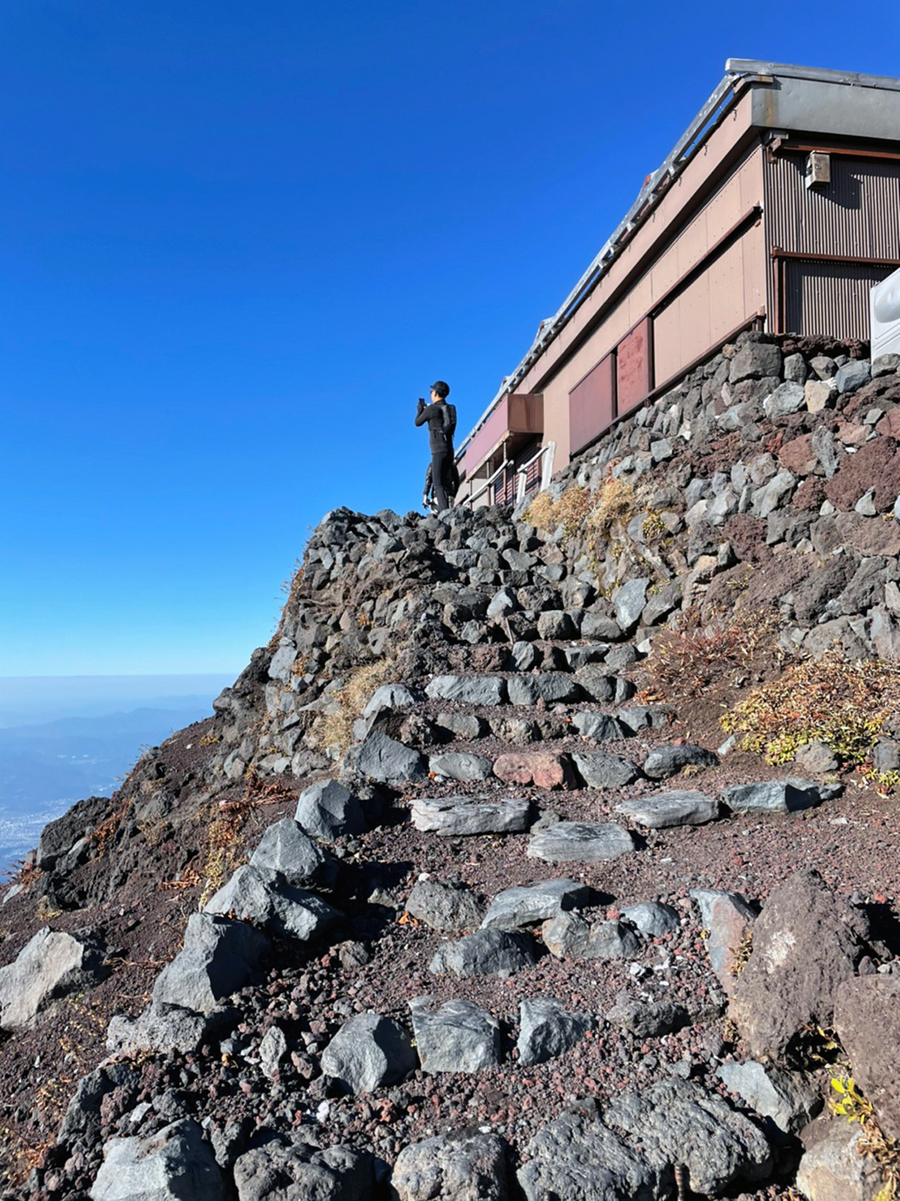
[542, 768]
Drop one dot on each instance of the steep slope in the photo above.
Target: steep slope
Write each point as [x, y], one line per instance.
[457, 707]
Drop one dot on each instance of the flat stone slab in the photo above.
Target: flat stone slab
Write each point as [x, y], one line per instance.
[550, 687]
[485, 953]
[681, 807]
[458, 1036]
[457, 815]
[789, 795]
[669, 758]
[532, 903]
[460, 765]
[470, 690]
[599, 770]
[585, 842]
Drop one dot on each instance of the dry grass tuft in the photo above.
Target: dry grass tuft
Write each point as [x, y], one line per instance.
[686, 660]
[843, 703]
[336, 729]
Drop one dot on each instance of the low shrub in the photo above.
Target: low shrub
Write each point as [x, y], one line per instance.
[840, 702]
[686, 660]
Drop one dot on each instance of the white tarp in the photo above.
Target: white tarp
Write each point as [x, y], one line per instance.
[886, 316]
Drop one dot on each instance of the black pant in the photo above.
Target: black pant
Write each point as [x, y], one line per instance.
[440, 460]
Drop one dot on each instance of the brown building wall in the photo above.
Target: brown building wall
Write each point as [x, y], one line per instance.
[694, 303]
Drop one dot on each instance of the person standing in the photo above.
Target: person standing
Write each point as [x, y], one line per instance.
[441, 420]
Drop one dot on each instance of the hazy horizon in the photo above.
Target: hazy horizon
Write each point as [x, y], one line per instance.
[63, 738]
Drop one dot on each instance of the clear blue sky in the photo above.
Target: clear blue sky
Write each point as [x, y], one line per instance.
[238, 238]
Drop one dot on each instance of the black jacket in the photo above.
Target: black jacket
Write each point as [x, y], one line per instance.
[441, 420]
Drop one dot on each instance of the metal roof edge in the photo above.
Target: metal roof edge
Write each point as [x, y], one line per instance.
[748, 66]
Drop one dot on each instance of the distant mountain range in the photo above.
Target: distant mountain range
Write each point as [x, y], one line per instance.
[46, 766]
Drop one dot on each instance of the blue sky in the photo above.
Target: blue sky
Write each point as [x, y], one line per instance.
[239, 238]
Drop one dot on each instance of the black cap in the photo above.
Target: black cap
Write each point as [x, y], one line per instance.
[442, 389]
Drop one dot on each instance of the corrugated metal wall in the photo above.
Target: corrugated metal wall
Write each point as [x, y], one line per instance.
[856, 215]
[829, 298]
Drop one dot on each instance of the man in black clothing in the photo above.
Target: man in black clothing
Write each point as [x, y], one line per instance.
[441, 419]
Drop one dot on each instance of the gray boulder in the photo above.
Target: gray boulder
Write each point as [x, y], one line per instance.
[459, 816]
[668, 759]
[585, 842]
[82, 1118]
[778, 796]
[287, 849]
[647, 1019]
[834, 1168]
[652, 918]
[460, 765]
[755, 360]
[578, 1158]
[485, 953]
[530, 903]
[681, 807]
[806, 943]
[327, 810]
[285, 1168]
[367, 1052]
[596, 682]
[389, 762]
[464, 726]
[569, 936]
[463, 1166]
[599, 770]
[787, 398]
[547, 1031]
[450, 907]
[50, 966]
[550, 687]
[173, 1165]
[679, 1122]
[851, 376]
[787, 1098]
[470, 690]
[250, 895]
[219, 956]
[456, 1037]
[629, 601]
[599, 726]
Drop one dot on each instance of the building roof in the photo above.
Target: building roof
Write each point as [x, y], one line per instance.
[841, 103]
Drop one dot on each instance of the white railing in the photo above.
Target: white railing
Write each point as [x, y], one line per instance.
[521, 473]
